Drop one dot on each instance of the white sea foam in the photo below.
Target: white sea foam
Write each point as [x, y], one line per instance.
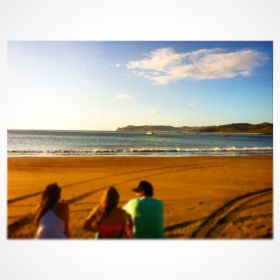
[142, 150]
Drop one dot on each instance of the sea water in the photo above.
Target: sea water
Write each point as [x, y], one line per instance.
[95, 143]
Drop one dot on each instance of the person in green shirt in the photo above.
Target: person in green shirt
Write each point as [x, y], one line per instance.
[146, 212]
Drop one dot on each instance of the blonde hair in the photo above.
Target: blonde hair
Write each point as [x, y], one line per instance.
[109, 200]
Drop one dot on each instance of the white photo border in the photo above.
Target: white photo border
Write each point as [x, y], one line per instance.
[192, 20]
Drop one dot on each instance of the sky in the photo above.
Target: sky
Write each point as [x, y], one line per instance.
[88, 85]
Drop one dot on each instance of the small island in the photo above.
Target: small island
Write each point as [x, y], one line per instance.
[262, 128]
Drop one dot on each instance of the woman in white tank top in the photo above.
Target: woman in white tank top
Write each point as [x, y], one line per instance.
[52, 215]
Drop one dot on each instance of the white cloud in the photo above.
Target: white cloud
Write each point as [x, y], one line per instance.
[158, 60]
[192, 104]
[139, 73]
[117, 65]
[123, 96]
[163, 79]
[164, 66]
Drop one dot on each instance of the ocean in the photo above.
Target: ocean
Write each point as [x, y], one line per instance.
[48, 143]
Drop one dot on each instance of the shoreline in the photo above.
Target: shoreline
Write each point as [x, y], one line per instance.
[140, 156]
[191, 188]
[230, 153]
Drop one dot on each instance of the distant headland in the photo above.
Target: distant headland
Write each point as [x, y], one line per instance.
[262, 128]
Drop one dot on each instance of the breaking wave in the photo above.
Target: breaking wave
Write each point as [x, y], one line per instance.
[143, 151]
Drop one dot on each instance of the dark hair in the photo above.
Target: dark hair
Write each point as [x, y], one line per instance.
[146, 187]
[109, 200]
[50, 196]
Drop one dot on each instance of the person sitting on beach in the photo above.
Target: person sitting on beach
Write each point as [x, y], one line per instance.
[52, 215]
[107, 220]
[146, 212]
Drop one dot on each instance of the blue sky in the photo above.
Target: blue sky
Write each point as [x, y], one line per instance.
[105, 85]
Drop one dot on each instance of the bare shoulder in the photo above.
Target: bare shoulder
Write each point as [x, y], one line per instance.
[121, 211]
[62, 206]
[93, 213]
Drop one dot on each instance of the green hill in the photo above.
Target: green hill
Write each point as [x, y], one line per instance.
[262, 128]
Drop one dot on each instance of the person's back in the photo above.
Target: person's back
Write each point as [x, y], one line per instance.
[113, 226]
[50, 226]
[52, 215]
[107, 220]
[147, 215]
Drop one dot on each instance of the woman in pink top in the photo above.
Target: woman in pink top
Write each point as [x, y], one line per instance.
[107, 220]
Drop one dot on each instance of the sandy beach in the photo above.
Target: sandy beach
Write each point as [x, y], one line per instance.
[204, 197]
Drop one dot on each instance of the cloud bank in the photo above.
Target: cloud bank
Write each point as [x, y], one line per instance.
[163, 66]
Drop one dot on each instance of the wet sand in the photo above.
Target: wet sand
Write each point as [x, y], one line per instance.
[204, 197]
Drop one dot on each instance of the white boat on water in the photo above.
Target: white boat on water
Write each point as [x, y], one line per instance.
[150, 133]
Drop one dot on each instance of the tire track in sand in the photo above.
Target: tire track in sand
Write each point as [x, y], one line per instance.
[23, 197]
[210, 227]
